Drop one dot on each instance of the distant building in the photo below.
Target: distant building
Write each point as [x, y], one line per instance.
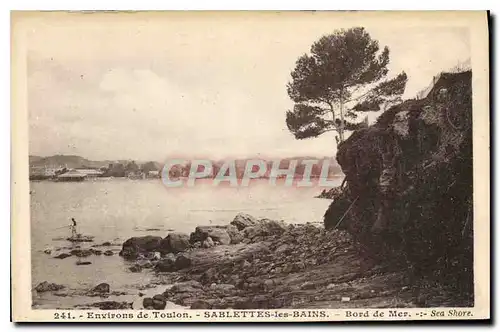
[72, 176]
[43, 172]
[90, 172]
[153, 174]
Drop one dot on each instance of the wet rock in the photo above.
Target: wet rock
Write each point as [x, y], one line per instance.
[106, 244]
[137, 245]
[83, 263]
[148, 303]
[243, 220]
[159, 302]
[63, 255]
[108, 253]
[48, 287]
[48, 251]
[81, 252]
[208, 243]
[96, 252]
[165, 265]
[101, 288]
[175, 242]
[182, 262]
[217, 233]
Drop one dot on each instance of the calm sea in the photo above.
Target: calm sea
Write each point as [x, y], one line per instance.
[116, 209]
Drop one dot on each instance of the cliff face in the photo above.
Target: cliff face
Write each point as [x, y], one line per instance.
[409, 184]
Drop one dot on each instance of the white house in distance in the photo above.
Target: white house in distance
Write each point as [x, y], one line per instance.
[71, 176]
[153, 174]
[90, 173]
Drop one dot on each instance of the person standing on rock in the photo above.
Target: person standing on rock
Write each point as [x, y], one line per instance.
[73, 228]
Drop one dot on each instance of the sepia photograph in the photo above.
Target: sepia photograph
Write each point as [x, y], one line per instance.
[250, 166]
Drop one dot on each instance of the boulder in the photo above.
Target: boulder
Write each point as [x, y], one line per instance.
[165, 265]
[265, 227]
[252, 232]
[234, 234]
[243, 220]
[140, 245]
[217, 233]
[175, 242]
[274, 227]
[147, 303]
[159, 302]
[101, 288]
[63, 255]
[48, 287]
[182, 262]
[208, 243]
[81, 252]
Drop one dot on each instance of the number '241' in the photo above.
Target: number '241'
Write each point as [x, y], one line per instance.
[62, 315]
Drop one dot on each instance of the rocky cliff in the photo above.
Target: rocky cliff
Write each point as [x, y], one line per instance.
[408, 193]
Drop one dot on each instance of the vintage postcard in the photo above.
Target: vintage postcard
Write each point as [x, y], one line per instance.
[250, 166]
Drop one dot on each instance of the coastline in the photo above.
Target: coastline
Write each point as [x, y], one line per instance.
[272, 265]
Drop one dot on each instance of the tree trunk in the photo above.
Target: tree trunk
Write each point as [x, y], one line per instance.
[341, 127]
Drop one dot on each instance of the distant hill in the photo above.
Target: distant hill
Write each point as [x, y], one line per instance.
[68, 161]
[73, 161]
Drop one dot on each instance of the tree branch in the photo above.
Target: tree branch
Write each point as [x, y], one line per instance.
[359, 97]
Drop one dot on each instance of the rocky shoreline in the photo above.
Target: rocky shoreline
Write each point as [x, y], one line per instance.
[265, 264]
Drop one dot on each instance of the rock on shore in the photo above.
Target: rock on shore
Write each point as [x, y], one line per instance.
[284, 266]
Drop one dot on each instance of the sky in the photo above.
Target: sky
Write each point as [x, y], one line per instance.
[152, 87]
